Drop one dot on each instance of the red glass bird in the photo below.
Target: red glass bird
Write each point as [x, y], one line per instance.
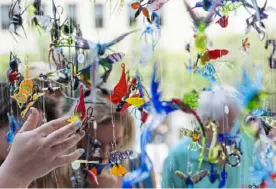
[13, 76]
[121, 89]
[93, 176]
[144, 116]
[213, 54]
[80, 106]
[223, 21]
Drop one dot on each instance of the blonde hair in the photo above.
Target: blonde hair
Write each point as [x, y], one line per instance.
[58, 178]
[105, 112]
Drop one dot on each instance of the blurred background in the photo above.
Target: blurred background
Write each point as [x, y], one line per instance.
[101, 21]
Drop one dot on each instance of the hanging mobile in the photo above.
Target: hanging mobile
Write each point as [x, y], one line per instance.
[80, 110]
[116, 160]
[215, 151]
[195, 146]
[14, 125]
[96, 144]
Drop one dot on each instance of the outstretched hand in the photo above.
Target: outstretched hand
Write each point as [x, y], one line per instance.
[37, 151]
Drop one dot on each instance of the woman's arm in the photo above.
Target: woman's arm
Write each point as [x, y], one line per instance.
[37, 151]
[9, 179]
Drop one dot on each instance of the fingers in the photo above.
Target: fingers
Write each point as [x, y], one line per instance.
[61, 134]
[32, 121]
[63, 160]
[68, 143]
[52, 126]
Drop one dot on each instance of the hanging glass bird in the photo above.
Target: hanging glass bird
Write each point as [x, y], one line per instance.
[205, 4]
[14, 125]
[191, 180]
[12, 74]
[212, 55]
[118, 170]
[215, 151]
[195, 146]
[116, 158]
[80, 110]
[191, 99]
[26, 94]
[250, 90]
[186, 132]
[200, 24]
[223, 178]
[213, 174]
[256, 19]
[93, 176]
[185, 108]
[245, 45]
[125, 93]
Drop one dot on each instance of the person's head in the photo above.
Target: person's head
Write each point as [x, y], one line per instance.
[220, 105]
[111, 125]
[7, 106]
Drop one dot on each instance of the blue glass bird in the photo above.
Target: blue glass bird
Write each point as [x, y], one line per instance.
[223, 176]
[139, 84]
[213, 174]
[144, 171]
[153, 29]
[160, 107]
[208, 71]
[205, 4]
[250, 90]
[13, 128]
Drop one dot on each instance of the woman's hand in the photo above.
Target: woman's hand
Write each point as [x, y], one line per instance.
[37, 151]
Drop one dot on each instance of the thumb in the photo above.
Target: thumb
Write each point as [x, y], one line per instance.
[32, 120]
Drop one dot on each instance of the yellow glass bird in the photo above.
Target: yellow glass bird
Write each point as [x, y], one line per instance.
[118, 170]
[25, 89]
[25, 96]
[136, 101]
[74, 118]
[30, 103]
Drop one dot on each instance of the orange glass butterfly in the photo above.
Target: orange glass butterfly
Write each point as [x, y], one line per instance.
[25, 95]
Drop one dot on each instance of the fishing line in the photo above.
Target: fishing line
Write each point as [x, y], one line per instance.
[44, 120]
[114, 147]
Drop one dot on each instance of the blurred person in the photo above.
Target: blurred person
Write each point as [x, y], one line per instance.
[35, 151]
[264, 159]
[272, 135]
[212, 106]
[120, 139]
